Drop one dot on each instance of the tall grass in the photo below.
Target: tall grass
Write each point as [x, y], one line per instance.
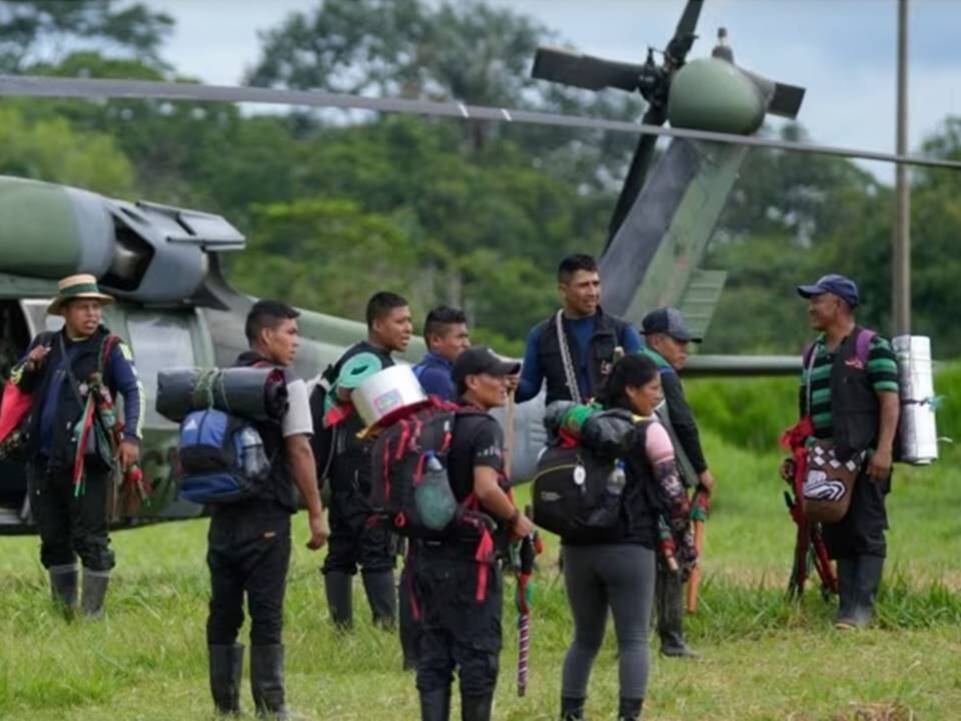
[764, 657]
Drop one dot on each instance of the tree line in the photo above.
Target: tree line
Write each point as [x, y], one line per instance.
[474, 214]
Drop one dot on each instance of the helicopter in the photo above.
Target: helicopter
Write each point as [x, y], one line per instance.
[175, 308]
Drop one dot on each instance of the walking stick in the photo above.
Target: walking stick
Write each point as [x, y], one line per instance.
[525, 571]
[509, 439]
[699, 517]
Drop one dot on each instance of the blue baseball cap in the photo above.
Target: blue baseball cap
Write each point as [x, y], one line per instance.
[841, 286]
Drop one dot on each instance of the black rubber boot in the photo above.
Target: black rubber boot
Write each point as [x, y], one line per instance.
[572, 709]
[63, 587]
[226, 670]
[847, 581]
[867, 581]
[629, 709]
[435, 705]
[338, 586]
[267, 681]
[669, 597]
[382, 597]
[476, 708]
[94, 591]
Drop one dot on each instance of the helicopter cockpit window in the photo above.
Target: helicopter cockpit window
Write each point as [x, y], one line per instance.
[158, 342]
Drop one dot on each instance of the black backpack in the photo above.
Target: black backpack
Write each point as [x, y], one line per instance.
[578, 487]
[410, 488]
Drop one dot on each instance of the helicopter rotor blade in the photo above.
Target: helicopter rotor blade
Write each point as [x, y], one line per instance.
[781, 98]
[684, 35]
[584, 71]
[786, 100]
[59, 87]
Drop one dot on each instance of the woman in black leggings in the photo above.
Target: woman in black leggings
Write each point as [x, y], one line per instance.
[619, 575]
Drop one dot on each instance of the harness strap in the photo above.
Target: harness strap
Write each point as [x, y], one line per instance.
[569, 374]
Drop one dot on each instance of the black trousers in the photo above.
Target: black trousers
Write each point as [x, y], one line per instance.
[70, 525]
[457, 631]
[861, 531]
[356, 543]
[248, 552]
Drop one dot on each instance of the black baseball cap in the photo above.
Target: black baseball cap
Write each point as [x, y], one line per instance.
[671, 322]
[482, 359]
[841, 286]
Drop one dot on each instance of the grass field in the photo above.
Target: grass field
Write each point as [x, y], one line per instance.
[763, 658]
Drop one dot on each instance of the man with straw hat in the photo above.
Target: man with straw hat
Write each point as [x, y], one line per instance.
[73, 444]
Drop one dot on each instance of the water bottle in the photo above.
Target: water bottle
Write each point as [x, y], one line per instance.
[253, 458]
[616, 479]
[433, 465]
[433, 497]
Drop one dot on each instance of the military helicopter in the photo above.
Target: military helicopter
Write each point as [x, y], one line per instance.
[176, 309]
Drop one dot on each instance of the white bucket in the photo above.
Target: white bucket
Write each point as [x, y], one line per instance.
[387, 393]
[918, 429]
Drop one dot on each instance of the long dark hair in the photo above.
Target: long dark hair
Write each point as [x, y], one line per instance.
[635, 369]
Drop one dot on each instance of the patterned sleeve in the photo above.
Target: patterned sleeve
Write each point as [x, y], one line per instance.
[882, 366]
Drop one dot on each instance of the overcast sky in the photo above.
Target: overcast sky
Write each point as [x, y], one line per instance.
[842, 51]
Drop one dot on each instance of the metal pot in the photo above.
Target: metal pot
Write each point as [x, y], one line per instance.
[388, 394]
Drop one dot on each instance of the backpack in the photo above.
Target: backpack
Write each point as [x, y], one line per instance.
[579, 483]
[221, 458]
[410, 488]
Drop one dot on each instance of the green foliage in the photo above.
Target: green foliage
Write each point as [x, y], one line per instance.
[29, 28]
[53, 151]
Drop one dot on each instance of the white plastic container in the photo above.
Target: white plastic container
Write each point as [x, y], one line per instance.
[918, 428]
[388, 393]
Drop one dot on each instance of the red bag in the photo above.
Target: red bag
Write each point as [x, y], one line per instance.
[14, 409]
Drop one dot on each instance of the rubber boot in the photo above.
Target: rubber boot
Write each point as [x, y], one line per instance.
[572, 709]
[267, 681]
[867, 581]
[63, 588]
[435, 705]
[476, 708]
[847, 581]
[226, 670]
[94, 591]
[629, 709]
[338, 586]
[669, 597]
[382, 597]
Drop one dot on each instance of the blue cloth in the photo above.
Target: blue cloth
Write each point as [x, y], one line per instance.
[435, 375]
[581, 330]
[120, 377]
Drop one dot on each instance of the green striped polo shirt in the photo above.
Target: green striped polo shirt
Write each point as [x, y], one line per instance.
[882, 374]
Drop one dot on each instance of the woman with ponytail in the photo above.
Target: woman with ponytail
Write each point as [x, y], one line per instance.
[619, 575]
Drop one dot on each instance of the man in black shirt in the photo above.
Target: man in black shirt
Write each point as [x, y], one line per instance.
[460, 595]
[353, 541]
[248, 545]
[667, 338]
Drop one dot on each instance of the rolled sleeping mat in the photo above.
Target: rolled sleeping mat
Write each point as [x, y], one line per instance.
[256, 394]
[608, 433]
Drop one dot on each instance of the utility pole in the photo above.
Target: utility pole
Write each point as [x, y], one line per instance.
[901, 247]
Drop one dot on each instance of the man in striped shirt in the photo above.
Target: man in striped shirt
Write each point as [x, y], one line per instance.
[849, 388]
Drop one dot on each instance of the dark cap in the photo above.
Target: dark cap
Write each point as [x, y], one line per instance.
[482, 359]
[669, 321]
[841, 286]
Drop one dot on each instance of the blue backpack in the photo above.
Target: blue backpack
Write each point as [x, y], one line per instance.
[221, 458]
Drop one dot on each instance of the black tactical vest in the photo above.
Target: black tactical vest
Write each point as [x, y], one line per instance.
[607, 336]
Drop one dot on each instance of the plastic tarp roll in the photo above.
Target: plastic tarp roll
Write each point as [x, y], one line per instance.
[256, 394]
[917, 427]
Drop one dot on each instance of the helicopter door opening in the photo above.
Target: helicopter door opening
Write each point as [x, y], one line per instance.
[14, 337]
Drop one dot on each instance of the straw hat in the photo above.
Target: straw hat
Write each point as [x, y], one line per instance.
[74, 287]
